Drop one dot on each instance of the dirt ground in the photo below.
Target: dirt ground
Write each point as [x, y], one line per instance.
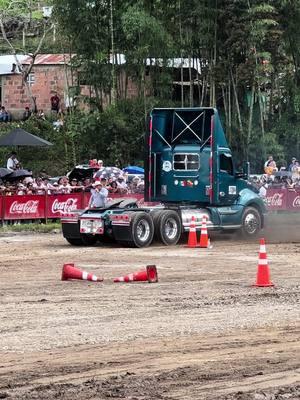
[201, 332]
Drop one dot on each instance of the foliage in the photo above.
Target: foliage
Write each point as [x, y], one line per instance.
[35, 227]
[249, 68]
[37, 159]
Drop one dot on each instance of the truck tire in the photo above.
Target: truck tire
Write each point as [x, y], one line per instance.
[89, 240]
[167, 227]
[142, 230]
[74, 242]
[251, 223]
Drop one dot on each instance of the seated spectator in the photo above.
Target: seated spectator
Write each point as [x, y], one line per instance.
[134, 183]
[290, 184]
[21, 189]
[75, 186]
[55, 188]
[26, 114]
[87, 184]
[4, 115]
[48, 186]
[28, 179]
[140, 187]
[39, 186]
[123, 189]
[64, 186]
[113, 187]
[41, 114]
[12, 161]
[30, 188]
[93, 163]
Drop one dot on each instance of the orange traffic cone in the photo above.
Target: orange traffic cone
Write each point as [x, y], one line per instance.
[204, 239]
[147, 275]
[69, 271]
[263, 273]
[192, 239]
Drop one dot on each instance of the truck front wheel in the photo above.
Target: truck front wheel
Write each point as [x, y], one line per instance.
[168, 227]
[251, 222]
[142, 229]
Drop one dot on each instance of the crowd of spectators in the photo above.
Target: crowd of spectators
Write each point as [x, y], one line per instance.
[275, 177]
[44, 184]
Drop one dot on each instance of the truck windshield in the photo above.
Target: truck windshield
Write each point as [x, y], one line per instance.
[186, 162]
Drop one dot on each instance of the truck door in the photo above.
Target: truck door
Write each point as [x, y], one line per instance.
[227, 182]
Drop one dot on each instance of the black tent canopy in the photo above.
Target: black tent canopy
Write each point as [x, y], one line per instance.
[19, 137]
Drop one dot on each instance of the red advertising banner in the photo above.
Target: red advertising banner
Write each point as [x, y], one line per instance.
[57, 206]
[276, 199]
[61, 205]
[24, 207]
[293, 203]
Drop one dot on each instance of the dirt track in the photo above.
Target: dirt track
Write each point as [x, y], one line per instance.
[202, 332]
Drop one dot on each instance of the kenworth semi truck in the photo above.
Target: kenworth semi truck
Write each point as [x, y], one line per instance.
[189, 172]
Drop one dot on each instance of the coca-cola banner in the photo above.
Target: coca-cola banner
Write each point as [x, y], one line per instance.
[276, 199]
[293, 201]
[62, 205]
[24, 207]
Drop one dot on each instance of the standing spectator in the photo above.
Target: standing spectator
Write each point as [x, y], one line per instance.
[295, 171]
[100, 164]
[98, 196]
[26, 114]
[55, 100]
[12, 161]
[292, 164]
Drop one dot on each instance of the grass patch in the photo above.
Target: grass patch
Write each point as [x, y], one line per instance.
[32, 227]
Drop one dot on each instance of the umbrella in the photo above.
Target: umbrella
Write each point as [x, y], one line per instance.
[19, 173]
[5, 172]
[134, 170]
[81, 172]
[19, 137]
[109, 172]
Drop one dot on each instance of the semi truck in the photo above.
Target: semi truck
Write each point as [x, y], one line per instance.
[189, 172]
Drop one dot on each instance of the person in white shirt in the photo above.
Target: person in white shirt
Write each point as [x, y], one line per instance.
[99, 195]
[12, 162]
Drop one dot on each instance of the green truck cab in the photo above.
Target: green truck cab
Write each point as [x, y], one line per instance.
[189, 172]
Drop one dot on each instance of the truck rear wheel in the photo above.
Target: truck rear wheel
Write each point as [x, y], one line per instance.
[142, 229]
[251, 222]
[168, 227]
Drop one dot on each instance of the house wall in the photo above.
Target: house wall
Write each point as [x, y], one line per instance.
[47, 78]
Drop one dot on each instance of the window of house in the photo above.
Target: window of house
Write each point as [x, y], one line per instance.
[226, 163]
[31, 79]
[186, 162]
